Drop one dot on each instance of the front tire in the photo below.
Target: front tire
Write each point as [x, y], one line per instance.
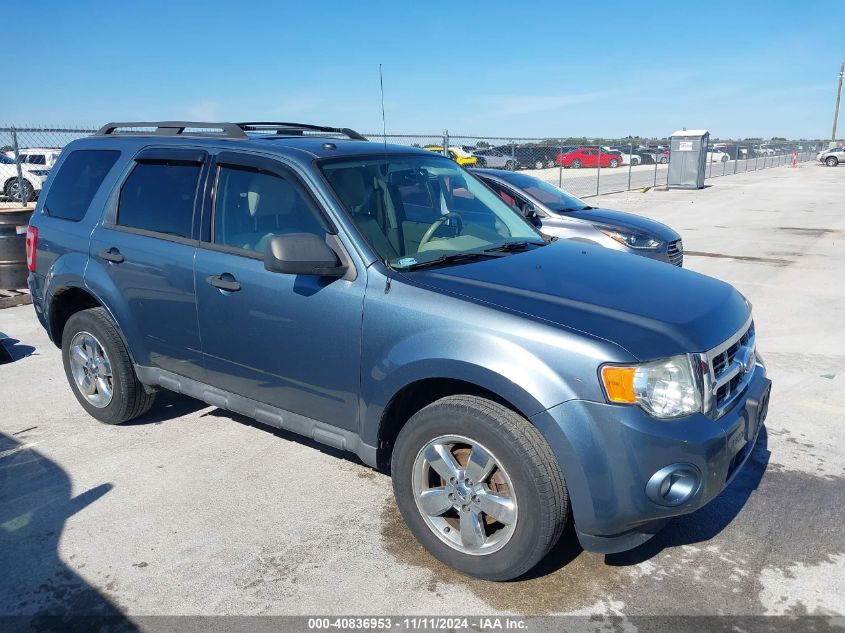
[99, 369]
[613, 163]
[538, 164]
[479, 487]
[510, 166]
[576, 164]
[831, 161]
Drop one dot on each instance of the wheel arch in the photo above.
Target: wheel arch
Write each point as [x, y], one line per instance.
[70, 299]
[417, 395]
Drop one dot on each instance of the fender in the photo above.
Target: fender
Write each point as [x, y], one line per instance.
[66, 271]
[102, 288]
[482, 358]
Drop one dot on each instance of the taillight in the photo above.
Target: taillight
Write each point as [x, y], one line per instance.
[31, 246]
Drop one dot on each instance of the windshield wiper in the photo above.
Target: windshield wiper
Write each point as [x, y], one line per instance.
[512, 246]
[452, 257]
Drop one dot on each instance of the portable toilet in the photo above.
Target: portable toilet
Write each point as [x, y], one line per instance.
[688, 159]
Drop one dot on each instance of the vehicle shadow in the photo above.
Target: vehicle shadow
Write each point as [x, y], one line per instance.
[168, 405]
[709, 521]
[290, 436]
[38, 591]
[11, 349]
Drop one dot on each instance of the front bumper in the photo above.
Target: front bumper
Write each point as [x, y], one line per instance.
[608, 454]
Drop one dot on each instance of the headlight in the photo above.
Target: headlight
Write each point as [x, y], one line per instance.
[629, 238]
[664, 389]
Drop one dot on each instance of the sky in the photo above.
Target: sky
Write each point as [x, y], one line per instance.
[492, 68]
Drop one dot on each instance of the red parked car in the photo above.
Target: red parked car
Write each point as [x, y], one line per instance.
[588, 157]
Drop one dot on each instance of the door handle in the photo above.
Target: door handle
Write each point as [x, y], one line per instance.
[112, 255]
[224, 282]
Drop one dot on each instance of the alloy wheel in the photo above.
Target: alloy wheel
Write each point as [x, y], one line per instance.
[91, 369]
[464, 495]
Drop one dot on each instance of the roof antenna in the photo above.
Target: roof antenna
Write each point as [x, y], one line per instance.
[383, 122]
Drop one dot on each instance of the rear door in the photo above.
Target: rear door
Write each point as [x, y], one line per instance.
[145, 248]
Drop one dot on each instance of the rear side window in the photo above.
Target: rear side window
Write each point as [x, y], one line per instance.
[159, 196]
[78, 179]
[35, 159]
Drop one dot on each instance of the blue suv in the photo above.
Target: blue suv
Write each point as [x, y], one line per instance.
[384, 301]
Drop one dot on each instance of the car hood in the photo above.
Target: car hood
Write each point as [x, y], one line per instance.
[650, 309]
[626, 221]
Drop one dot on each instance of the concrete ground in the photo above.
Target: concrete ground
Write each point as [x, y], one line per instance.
[193, 510]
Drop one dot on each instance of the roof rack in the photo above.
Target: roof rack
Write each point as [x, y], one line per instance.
[175, 128]
[220, 130]
[297, 129]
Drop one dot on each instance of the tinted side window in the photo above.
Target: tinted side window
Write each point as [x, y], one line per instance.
[159, 196]
[252, 206]
[78, 179]
[36, 159]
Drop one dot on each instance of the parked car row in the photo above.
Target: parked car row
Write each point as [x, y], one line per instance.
[386, 302]
[513, 157]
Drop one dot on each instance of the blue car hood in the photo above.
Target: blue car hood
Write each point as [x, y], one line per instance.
[651, 309]
[626, 220]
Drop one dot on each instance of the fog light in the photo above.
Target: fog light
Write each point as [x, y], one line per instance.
[673, 485]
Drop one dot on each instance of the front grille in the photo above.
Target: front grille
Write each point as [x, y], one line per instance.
[676, 252]
[721, 364]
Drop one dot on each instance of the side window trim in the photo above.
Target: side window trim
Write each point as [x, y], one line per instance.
[269, 165]
[158, 154]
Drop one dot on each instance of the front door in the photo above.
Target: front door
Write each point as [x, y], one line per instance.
[290, 341]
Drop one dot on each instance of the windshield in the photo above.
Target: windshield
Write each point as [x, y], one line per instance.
[554, 198]
[6, 160]
[417, 209]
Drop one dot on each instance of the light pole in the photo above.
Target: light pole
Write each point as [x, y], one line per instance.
[836, 109]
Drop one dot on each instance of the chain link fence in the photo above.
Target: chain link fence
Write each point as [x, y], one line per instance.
[582, 166]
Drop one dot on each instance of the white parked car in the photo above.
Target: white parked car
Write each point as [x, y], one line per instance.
[495, 159]
[624, 152]
[42, 156]
[33, 179]
[716, 155]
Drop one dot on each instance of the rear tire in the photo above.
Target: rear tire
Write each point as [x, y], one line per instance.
[537, 497]
[613, 163]
[538, 164]
[11, 190]
[128, 398]
[510, 166]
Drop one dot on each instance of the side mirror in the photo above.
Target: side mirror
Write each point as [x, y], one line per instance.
[530, 213]
[301, 254]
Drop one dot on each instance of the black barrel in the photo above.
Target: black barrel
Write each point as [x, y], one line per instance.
[13, 270]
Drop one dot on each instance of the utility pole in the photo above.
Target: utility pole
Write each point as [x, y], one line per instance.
[838, 97]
